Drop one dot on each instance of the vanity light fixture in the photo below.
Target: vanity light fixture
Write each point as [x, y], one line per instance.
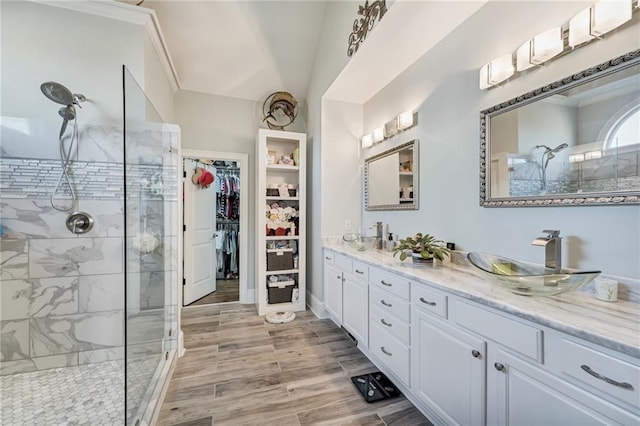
[400, 123]
[546, 45]
[598, 20]
[589, 24]
[496, 71]
[366, 141]
[540, 49]
[580, 28]
[378, 135]
[405, 120]
[609, 15]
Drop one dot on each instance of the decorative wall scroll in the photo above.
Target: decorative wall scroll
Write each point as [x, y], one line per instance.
[361, 26]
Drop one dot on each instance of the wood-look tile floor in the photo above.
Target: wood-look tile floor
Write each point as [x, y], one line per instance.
[226, 291]
[240, 370]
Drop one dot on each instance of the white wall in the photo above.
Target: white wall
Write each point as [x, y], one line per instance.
[156, 83]
[83, 52]
[443, 87]
[218, 123]
[330, 59]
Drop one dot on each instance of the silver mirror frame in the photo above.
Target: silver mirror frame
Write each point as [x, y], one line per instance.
[589, 199]
[416, 178]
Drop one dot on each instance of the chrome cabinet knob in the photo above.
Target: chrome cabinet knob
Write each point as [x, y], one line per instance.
[498, 366]
[475, 354]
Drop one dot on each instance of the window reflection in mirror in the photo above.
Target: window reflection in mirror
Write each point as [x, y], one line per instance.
[579, 140]
[391, 179]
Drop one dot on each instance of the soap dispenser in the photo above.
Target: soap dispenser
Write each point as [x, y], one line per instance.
[390, 242]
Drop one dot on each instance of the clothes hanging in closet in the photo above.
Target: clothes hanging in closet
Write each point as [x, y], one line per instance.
[227, 251]
[227, 194]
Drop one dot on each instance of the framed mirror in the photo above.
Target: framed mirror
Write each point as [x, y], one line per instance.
[391, 179]
[575, 141]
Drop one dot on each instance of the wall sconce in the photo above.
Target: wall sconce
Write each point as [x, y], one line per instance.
[366, 141]
[598, 20]
[405, 120]
[591, 23]
[400, 123]
[496, 71]
[378, 135]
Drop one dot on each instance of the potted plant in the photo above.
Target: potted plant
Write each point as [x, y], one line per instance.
[423, 247]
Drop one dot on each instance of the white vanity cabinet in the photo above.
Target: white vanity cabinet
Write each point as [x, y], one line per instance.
[522, 393]
[332, 287]
[462, 362]
[355, 305]
[448, 366]
[390, 322]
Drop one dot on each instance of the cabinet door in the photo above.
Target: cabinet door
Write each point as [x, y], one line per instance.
[355, 311]
[520, 394]
[448, 368]
[333, 292]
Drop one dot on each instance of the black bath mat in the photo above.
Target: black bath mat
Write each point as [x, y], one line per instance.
[375, 387]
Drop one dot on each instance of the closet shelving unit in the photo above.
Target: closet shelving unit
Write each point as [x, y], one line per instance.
[277, 144]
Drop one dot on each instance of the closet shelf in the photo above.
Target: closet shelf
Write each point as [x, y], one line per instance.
[282, 272]
[283, 168]
[273, 198]
[283, 237]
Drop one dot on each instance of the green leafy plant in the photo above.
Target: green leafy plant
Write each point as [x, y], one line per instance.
[426, 245]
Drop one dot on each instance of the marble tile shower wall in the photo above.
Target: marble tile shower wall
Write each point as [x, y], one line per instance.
[62, 295]
[619, 172]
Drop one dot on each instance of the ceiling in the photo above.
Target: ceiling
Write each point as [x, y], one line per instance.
[241, 49]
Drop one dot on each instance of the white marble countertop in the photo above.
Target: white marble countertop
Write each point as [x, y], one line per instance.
[615, 325]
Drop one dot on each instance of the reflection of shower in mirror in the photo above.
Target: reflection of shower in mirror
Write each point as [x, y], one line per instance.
[548, 154]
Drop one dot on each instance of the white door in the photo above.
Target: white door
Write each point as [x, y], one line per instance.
[355, 312]
[199, 237]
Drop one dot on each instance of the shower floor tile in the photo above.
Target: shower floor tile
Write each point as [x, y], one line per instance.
[88, 394]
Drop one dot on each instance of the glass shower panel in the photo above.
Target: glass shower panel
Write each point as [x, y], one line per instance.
[150, 252]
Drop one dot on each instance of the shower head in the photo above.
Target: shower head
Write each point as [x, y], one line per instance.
[553, 150]
[57, 93]
[559, 147]
[67, 112]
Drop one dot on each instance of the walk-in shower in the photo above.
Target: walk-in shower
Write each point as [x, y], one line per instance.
[88, 321]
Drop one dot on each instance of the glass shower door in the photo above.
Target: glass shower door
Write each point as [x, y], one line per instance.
[150, 251]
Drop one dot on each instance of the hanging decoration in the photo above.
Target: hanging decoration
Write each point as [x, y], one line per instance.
[280, 110]
[361, 26]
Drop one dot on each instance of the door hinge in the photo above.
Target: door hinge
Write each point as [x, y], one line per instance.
[184, 173]
[184, 228]
[184, 281]
[166, 355]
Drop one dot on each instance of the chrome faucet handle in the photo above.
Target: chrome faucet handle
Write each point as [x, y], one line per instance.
[552, 232]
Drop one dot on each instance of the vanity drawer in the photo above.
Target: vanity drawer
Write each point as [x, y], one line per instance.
[389, 303]
[361, 270]
[393, 325]
[343, 262]
[429, 300]
[515, 335]
[329, 256]
[391, 351]
[391, 282]
[604, 372]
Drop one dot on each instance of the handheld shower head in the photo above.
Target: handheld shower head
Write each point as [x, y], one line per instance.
[67, 112]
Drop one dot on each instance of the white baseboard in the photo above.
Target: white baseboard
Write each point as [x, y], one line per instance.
[316, 306]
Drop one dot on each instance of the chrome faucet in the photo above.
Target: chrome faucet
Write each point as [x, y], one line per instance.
[552, 249]
[378, 226]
